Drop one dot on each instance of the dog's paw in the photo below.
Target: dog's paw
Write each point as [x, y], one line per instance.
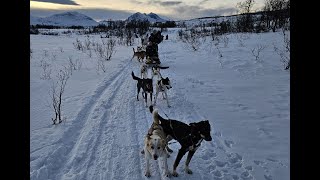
[175, 174]
[188, 171]
[167, 174]
[147, 174]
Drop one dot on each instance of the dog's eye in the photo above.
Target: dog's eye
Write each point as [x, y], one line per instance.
[158, 147]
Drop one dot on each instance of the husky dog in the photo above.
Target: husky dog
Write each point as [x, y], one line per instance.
[155, 143]
[144, 71]
[156, 71]
[189, 137]
[146, 85]
[163, 85]
[139, 54]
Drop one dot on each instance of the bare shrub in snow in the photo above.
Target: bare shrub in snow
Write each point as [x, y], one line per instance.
[100, 65]
[192, 39]
[46, 70]
[257, 50]
[241, 38]
[78, 45]
[74, 64]
[106, 49]
[110, 48]
[56, 93]
[87, 43]
[225, 40]
[284, 52]
[45, 53]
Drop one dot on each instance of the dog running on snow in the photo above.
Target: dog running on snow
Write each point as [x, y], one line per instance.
[145, 85]
[155, 143]
[189, 136]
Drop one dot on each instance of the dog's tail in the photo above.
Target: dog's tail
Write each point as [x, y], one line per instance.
[134, 77]
[155, 116]
[151, 109]
[163, 67]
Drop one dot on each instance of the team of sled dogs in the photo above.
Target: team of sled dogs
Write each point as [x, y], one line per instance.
[164, 130]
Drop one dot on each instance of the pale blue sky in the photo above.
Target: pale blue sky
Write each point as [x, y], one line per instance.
[121, 9]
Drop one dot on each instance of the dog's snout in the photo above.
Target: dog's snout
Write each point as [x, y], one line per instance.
[155, 157]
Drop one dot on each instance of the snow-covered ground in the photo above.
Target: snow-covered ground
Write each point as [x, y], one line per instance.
[245, 100]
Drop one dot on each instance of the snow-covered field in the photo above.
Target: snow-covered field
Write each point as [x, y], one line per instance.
[245, 100]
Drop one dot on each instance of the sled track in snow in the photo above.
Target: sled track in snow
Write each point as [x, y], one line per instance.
[85, 125]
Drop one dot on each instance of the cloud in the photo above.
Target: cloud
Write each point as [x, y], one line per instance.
[158, 2]
[170, 3]
[65, 2]
[190, 12]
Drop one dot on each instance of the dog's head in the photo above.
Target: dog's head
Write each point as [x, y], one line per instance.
[155, 146]
[203, 128]
[139, 48]
[166, 82]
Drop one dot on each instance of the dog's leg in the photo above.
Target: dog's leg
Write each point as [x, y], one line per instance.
[147, 157]
[146, 98]
[151, 98]
[190, 154]
[138, 92]
[181, 153]
[165, 92]
[166, 173]
[156, 96]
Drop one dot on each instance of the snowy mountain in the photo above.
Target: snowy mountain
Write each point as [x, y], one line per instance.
[35, 20]
[65, 19]
[151, 17]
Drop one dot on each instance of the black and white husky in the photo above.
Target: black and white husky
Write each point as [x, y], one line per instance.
[163, 85]
[156, 71]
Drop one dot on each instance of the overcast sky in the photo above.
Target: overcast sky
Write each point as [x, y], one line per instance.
[121, 9]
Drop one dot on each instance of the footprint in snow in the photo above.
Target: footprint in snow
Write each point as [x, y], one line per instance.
[268, 177]
[228, 143]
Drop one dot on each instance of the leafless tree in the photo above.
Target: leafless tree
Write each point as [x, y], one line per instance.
[192, 39]
[61, 49]
[78, 45]
[110, 48]
[257, 50]
[56, 93]
[278, 12]
[46, 67]
[284, 52]
[245, 21]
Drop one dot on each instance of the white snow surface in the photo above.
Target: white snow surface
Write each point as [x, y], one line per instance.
[246, 102]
